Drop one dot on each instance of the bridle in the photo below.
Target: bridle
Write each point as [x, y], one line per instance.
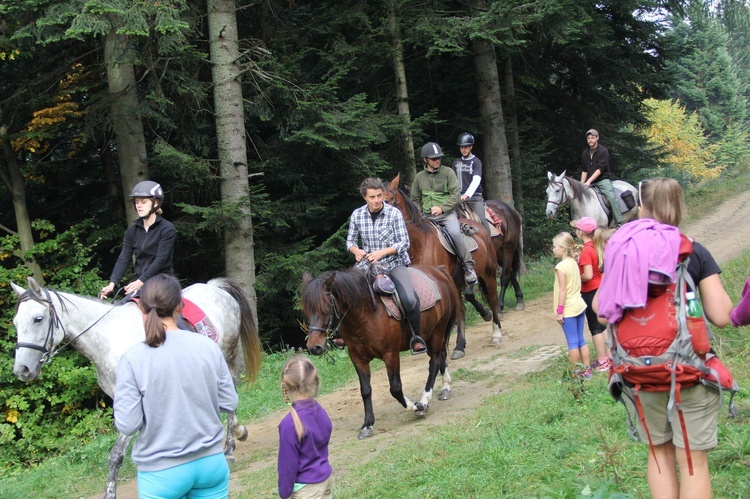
[47, 347]
[333, 314]
[564, 199]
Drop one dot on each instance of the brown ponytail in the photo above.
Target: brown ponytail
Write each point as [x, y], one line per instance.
[161, 296]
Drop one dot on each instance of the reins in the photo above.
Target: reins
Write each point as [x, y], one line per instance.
[55, 322]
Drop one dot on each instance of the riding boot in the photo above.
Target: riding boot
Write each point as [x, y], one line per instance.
[470, 277]
[416, 344]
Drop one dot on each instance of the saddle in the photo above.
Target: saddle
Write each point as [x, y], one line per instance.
[471, 243]
[425, 288]
[463, 210]
[195, 317]
[624, 197]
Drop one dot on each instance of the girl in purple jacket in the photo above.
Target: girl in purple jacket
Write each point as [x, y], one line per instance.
[304, 433]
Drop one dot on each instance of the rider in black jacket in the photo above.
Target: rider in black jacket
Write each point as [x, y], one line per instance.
[150, 238]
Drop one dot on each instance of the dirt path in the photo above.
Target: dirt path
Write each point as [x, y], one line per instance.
[531, 338]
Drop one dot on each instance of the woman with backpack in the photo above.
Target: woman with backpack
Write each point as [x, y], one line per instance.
[662, 201]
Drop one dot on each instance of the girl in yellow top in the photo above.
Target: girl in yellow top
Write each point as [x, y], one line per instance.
[569, 306]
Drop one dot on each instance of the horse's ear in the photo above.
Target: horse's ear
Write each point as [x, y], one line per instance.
[328, 283]
[563, 173]
[33, 285]
[550, 175]
[18, 289]
[306, 278]
[393, 184]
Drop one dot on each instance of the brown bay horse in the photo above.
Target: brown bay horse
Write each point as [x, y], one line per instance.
[343, 301]
[425, 249]
[508, 246]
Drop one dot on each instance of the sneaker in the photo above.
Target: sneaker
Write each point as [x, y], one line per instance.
[417, 346]
[470, 277]
[586, 373]
[601, 366]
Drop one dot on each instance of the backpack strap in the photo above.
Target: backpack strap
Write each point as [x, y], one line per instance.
[642, 417]
[678, 406]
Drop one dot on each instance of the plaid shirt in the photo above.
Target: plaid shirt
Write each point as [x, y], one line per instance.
[388, 230]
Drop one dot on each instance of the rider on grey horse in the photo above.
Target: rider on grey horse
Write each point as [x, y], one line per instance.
[595, 160]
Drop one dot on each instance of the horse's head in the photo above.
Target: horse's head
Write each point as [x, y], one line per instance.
[399, 199]
[556, 196]
[38, 328]
[319, 307]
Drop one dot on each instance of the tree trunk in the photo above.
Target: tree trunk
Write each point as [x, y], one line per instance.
[408, 170]
[239, 256]
[515, 141]
[496, 163]
[126, 120]
[16, 186]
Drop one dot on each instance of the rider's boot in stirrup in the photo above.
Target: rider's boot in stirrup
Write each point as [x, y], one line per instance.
[416, 344]
[470, 277]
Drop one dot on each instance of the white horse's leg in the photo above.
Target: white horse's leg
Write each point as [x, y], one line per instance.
[497, 334]
[116, 456]
[445, 392]
[426, 397]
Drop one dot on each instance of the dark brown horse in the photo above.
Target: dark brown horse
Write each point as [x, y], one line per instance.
[342, 300]
[425, 249]
[508, 246]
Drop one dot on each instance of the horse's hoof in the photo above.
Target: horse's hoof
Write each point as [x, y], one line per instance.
[497, 339]
[457, 354]
[520, 307]
[110, 494]
[421, 409]
[365, 432]
[230, 458]
[488, 316]
[445, 394]
[240, 433]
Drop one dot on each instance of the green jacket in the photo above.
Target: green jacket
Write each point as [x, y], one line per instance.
[436, 189]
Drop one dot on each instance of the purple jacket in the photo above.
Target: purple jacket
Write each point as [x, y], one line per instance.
[741, 314]
[639, 252]
[305, 461]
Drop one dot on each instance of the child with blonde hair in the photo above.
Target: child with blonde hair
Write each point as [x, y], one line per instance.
[304, 433]
[569, 307]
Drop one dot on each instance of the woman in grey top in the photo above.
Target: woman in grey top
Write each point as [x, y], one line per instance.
[171, 389]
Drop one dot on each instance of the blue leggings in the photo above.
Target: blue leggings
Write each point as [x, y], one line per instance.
[207, 477]
[573, 329]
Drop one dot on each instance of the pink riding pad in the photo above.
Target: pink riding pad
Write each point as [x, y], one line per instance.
[197, 319]
[425, 288]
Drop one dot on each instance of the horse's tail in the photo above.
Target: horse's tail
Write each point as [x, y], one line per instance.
[248, 333]
[518, 264]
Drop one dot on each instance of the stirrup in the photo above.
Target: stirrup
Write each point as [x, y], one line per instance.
[470, 277]
[417, 339]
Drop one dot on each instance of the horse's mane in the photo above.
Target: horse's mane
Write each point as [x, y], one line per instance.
[415, 214]
[579, 190]
[350, 289]
[30, 294]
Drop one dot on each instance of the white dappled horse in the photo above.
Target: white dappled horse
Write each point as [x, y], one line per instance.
[47, 321]
[583, 201]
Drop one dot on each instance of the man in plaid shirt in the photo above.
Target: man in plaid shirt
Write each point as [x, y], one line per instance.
[385, 244]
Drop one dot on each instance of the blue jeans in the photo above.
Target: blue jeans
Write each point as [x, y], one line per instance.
[205, 478]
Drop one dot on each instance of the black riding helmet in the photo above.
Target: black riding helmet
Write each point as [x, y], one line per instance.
[432, 150]
[148, 189]
[465, 139]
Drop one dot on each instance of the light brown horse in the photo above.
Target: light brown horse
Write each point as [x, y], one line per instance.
[425, 249]
[343, 301]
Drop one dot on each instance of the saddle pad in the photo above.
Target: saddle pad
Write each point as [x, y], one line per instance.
[199, 320]
[471, 243]
[425, 288]
[496, 223]
[604, 201]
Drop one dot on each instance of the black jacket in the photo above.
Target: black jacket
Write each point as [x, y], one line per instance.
[153, 250]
